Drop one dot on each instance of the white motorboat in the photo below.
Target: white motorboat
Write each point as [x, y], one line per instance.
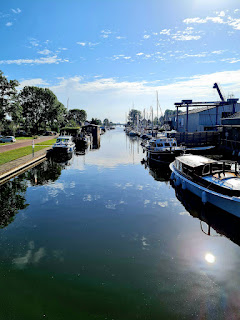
[216, 182]
[64, 144]
[163, 149]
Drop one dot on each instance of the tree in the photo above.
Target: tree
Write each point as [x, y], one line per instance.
[40, 108]
[96, 121]
[77, 115]
[133, 115]
[106, 122]
[8, 99]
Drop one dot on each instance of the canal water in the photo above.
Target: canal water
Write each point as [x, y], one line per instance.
[102, 236]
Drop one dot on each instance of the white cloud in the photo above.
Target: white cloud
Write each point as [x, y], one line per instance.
[165, 31]
[236, 10]
[105, 33]
[182, 37]
[194, 20]
[146, 36]
[232, 22]
[139, 54]
[9, 24]
[231, 60]
[33, 82]
[119, 37]
[45, 52]
[221, 14]
[93, 44]
[47, 60]
[218, 51]
[197, 55]
[83, 44]
[17, 11]
[34, 42]
[99, 95]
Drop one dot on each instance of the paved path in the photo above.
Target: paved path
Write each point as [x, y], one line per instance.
[23, 143]
[6, 167]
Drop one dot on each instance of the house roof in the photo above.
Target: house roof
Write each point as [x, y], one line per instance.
[197, 110]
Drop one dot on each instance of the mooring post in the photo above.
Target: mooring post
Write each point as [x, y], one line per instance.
[33, 148]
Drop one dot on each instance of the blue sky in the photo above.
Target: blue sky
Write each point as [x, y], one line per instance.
[108, 55]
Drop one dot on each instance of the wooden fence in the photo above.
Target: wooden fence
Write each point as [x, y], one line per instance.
[198, 138]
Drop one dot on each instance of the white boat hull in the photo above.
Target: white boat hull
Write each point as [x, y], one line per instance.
[224, 202]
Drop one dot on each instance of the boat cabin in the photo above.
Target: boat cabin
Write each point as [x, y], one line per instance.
[163, 143]
[191, 165]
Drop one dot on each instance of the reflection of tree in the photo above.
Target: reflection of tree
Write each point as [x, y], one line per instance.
[47, 171]
[12, 199]
[12, 193]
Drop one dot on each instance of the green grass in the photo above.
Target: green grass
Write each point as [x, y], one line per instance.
[46, 143]
[24, 138]
[11, 155]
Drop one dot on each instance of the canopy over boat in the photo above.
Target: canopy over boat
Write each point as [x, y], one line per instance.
[194, 160]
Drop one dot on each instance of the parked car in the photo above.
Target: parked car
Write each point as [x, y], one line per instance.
[8, 139]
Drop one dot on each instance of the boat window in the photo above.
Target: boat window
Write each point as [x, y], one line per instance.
[167, 144]
[152, 144]
[180, 166]
[206, 169]
[160, 145]
[174, 144]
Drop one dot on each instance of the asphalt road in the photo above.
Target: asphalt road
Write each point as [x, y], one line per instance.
[23, 143]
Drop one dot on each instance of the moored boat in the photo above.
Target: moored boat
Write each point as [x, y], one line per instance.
[64, 144]
[216, 182]
[162, 150]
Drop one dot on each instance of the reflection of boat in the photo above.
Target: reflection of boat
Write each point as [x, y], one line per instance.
[160, 173]
[162, 150]
[60, 157]
[64, 144]
[216, 182]
[219, 220]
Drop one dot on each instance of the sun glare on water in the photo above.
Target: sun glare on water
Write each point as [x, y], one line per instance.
[210, 258]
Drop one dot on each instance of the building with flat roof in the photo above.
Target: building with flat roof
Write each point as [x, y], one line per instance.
[204, 116]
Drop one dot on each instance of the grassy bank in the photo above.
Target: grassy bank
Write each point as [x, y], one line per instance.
[18, 153]
[46, 143]
[11, 155]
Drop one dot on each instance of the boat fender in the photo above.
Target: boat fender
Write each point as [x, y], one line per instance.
[204, 197]
[233, 153]
[184, 187]
[239, 154]
[178, 182]
[172, 176]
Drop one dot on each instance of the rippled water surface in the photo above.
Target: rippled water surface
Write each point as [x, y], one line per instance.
[102, 236]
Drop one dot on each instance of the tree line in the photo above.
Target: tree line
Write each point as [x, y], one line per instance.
[33, 109]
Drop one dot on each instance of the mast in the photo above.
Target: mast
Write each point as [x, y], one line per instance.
[157, 108]
[152, 121]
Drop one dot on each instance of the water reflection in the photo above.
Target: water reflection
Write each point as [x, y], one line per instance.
[116, 149]
[159, 173]
[47, 171]
[218, 222]
[13, 192]
[12, 199]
